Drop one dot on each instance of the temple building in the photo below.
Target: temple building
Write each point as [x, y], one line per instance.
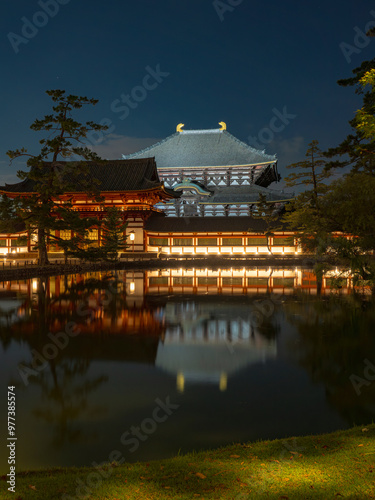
[194, 193]
[131, 185]
[217, 174]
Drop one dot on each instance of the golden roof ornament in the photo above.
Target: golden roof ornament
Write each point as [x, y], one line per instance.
[179, 127]
[223, 125]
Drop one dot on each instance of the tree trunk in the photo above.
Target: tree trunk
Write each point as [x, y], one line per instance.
[42, 247]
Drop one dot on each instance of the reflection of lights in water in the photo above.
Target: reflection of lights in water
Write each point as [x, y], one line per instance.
[132, 287]
[180, 382]
[223, 381]
[35, 285]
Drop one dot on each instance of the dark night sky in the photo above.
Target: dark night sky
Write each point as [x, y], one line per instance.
[237, 66]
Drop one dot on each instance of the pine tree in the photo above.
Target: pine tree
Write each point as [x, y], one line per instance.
[311, 174]
[357, 151]
[304, 213]
[270, 213]
[113, 239]
[52, 177]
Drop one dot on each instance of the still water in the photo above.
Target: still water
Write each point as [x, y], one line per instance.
[142, 365]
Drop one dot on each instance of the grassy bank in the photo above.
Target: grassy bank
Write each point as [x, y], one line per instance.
[340, 464]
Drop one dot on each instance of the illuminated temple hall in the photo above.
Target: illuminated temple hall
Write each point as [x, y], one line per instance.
[133, 186]
[217, 174]
[194, 193]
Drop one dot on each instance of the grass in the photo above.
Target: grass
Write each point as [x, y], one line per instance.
[336, 465]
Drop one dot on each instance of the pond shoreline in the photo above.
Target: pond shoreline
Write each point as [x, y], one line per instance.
[339, 463]
[141, 263]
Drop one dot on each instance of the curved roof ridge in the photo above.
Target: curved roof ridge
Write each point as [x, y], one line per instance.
[141, 151]
[202, 131]
[204, 148]
[253, 150]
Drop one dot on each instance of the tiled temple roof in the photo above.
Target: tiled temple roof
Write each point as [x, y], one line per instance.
[113, 175]
[160, 223]
[203, 148]
[246, 194]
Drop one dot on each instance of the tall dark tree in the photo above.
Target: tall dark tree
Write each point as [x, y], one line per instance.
[269, 212]
[336, 220]
[113, 239]
[52, 175]
[357, 151]
[304, 214]
[310, 174]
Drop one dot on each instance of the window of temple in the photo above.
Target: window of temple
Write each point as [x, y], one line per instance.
[158, 242]
[259, 241]
[287, 241]
[232, 281]
[207, 242]
[183, 280]
[163, 280]
[257, 281]
[231, 242]
[207, 281]
[93, 234]
[186, 242]
[65, 235]
[286, 282]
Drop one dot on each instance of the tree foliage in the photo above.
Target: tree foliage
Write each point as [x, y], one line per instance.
[52, 175]
[270, 213]
[304, 213]
[113, 239]
[357, 151]
[336, 220]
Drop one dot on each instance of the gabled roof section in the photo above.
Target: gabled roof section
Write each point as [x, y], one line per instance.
[203, 148]
[162, 224]
[247, 194]
[195, 186]
[113, 175]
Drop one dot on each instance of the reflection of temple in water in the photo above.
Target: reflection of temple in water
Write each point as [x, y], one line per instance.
[198, 325]
[206, 341]
[240, 281]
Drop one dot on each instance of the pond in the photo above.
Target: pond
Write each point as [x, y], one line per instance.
[140, 365]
